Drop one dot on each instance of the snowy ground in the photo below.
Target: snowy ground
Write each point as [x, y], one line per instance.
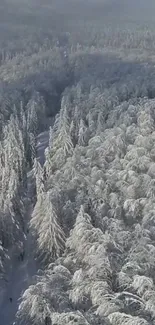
[42, 143]
[20, 273]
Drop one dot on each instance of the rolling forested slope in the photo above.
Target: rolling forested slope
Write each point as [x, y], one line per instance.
[77, 221]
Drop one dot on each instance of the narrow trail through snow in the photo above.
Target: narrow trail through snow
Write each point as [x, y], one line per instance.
[20, 272]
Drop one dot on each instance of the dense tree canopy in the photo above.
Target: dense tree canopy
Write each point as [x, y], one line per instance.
[85, 72]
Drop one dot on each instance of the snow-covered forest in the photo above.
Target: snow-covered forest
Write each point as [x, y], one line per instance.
[77, 162]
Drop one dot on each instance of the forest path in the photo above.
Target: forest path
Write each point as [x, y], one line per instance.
[21, 271]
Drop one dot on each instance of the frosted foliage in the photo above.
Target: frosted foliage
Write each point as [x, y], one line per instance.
[142, 284]
[12, 180]
[62, 145]
[108, 178]
[46, 296]
[38, 172]
[45, 224]
[93, 283]
[118, 318]
[86, 244]
[69, 319]
[83, 134]
[35, 113]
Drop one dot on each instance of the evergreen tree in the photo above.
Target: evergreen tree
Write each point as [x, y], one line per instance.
[45, 224]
